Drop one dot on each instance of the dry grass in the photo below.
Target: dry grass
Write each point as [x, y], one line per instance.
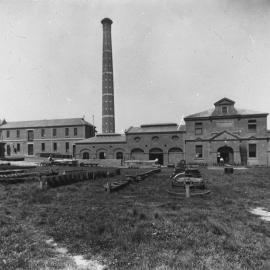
[141, 226]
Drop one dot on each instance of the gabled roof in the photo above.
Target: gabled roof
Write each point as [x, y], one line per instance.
[104, 138]
[46, 123]
[155, 128]
[224, 101]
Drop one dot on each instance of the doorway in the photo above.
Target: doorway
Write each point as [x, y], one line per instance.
[156, 153]
[30, 149]
[226, 153]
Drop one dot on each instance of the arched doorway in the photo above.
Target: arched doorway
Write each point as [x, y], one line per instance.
[137, 154]
[156, 153]
[175, 155]
[226, 153]
[85, 155]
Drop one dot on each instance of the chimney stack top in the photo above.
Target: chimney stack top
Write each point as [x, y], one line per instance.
[106, 21]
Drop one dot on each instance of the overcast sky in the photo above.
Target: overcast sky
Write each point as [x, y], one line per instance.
[171, 58]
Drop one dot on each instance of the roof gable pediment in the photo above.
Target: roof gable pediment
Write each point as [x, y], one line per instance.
[224, 135]
[224, 101]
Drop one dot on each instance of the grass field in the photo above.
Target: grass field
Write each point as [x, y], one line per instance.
[139, 227]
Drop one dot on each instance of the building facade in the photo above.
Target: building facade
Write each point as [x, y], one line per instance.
[223, 134]
[227, 134]
[164, 142]
[103, 146]
[44, 137]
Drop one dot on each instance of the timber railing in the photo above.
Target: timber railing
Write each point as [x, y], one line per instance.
[53, 178]
[70, 177]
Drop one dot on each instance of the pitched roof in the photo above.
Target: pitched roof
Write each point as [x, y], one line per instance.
[209, 113]
[46, 123]
[154, 128]
[104, 138]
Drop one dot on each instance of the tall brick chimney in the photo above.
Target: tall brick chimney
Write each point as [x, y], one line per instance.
[108, 122]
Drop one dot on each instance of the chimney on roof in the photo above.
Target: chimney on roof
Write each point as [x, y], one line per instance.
[108, 121]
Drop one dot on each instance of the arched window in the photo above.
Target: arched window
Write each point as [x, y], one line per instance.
[137, 139]
[102, 155]
[119, 155]
[155, 139]
[85, 155]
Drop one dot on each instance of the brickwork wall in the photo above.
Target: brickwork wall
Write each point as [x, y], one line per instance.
[235, 126]
[163, 141]
[94, 150]
[238, 127]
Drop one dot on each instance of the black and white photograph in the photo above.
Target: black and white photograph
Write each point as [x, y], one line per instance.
[134, 135]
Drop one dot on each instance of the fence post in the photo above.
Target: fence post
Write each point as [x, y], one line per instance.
[187, 186]
[43, 183]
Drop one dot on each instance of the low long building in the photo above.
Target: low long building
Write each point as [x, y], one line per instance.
[223, 133]
[44, 137]
[147, 142]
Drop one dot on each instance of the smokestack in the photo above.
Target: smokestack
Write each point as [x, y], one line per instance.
[108, 122]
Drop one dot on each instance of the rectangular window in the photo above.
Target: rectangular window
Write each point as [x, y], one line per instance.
[18, 133]
[66, 132]
[252, 150]
[252, 125]
[54, 146]
[67, 147]
[75, 131]
[30, 135]
[198, 128]
[43, 132]
[224, 109]
[199, 151]
[42, 147]
[8, 134]
[18, 147]
[54, 132]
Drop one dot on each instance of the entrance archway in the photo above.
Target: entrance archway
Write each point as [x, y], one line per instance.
[226, 153]
[137, 154]
[156, 153]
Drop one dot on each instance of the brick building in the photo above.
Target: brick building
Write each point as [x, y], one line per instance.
[236, 135]
[103, 146]
[162, 141]
[42, 137]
